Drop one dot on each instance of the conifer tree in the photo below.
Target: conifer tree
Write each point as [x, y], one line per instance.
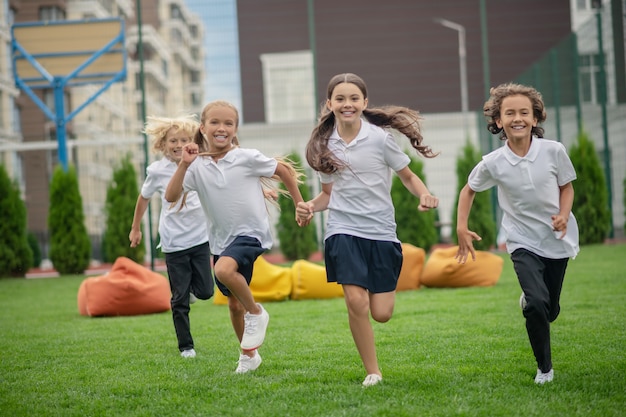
[295, 242]
[34, 246]
[120, 203]
[70, 247]
[413, 226]
[16, 256]
[481, 218]
[590, 192]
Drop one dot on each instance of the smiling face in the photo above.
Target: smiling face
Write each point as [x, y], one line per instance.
[517, 118]
[347, 103]
[220, 127]
[174, 140]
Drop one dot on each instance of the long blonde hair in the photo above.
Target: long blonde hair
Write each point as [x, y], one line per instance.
[269, 184]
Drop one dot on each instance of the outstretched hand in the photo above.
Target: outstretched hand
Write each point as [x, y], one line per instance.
[466, 246]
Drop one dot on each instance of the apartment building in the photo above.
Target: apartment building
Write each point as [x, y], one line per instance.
[9, 117]
[109, 127]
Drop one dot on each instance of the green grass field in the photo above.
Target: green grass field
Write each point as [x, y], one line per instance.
[446, 352]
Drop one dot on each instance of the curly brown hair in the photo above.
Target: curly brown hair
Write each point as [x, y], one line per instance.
[492, 106]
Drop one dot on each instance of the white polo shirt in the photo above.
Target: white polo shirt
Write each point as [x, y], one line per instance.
[528, 193]
[360, 202]
[231, 196]
[178, 230]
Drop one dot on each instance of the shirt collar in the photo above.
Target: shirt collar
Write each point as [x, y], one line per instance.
[531, 155]
[363, 133]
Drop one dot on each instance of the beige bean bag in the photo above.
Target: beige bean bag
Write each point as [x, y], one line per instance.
[309, 282]
[269, 283]
[412, 266]
[128, 289]
[442, 270]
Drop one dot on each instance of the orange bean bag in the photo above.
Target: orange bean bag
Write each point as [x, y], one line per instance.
[128, 289]
[442, 270]
[309, 282]
[269, 283]
[412, 265]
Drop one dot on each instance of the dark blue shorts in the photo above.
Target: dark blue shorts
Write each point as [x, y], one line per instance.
[244, 250]
[372, 264]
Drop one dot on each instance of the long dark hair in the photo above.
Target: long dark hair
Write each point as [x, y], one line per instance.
[403, 119]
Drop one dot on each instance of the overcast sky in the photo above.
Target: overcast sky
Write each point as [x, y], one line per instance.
[220, 49]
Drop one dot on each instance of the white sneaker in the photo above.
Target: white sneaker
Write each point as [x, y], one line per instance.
[192, 298]
[255, 326]
[188, 353]
[522, 301]
[247, 363]
[542, 378]
[372, 379]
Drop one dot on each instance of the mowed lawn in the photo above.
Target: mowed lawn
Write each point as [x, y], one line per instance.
[446, 352]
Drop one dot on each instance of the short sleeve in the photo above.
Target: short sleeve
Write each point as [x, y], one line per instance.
[150, 184]
[565, 169]
[394, 156]
[480, 179]
[262, 165]
[325, 178]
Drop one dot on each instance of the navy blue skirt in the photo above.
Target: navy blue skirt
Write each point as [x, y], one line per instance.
[372, 264]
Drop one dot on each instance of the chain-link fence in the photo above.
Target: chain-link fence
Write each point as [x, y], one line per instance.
[582, 84]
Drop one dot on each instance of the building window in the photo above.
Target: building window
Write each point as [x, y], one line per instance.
[137, 81]
[48, 99]
[16, 112]
[140, 112]
[589, 78]
[196, 99]
[176, 37]
[288, 86]
[1, 110]
[11, 16]
[50, 13]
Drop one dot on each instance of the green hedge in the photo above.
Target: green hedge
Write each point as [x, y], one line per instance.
[481, 218]
[16, 256]
[418, 228]
[590, 192]
[70, 248]
[121, 198]
[295, 242]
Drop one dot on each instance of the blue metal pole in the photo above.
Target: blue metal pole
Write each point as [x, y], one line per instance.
[61, 126]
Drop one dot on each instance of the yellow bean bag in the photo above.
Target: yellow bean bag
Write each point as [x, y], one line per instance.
[309, 282]
[442, 270]
[269, 283]
[128, 289]
[412, 265]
